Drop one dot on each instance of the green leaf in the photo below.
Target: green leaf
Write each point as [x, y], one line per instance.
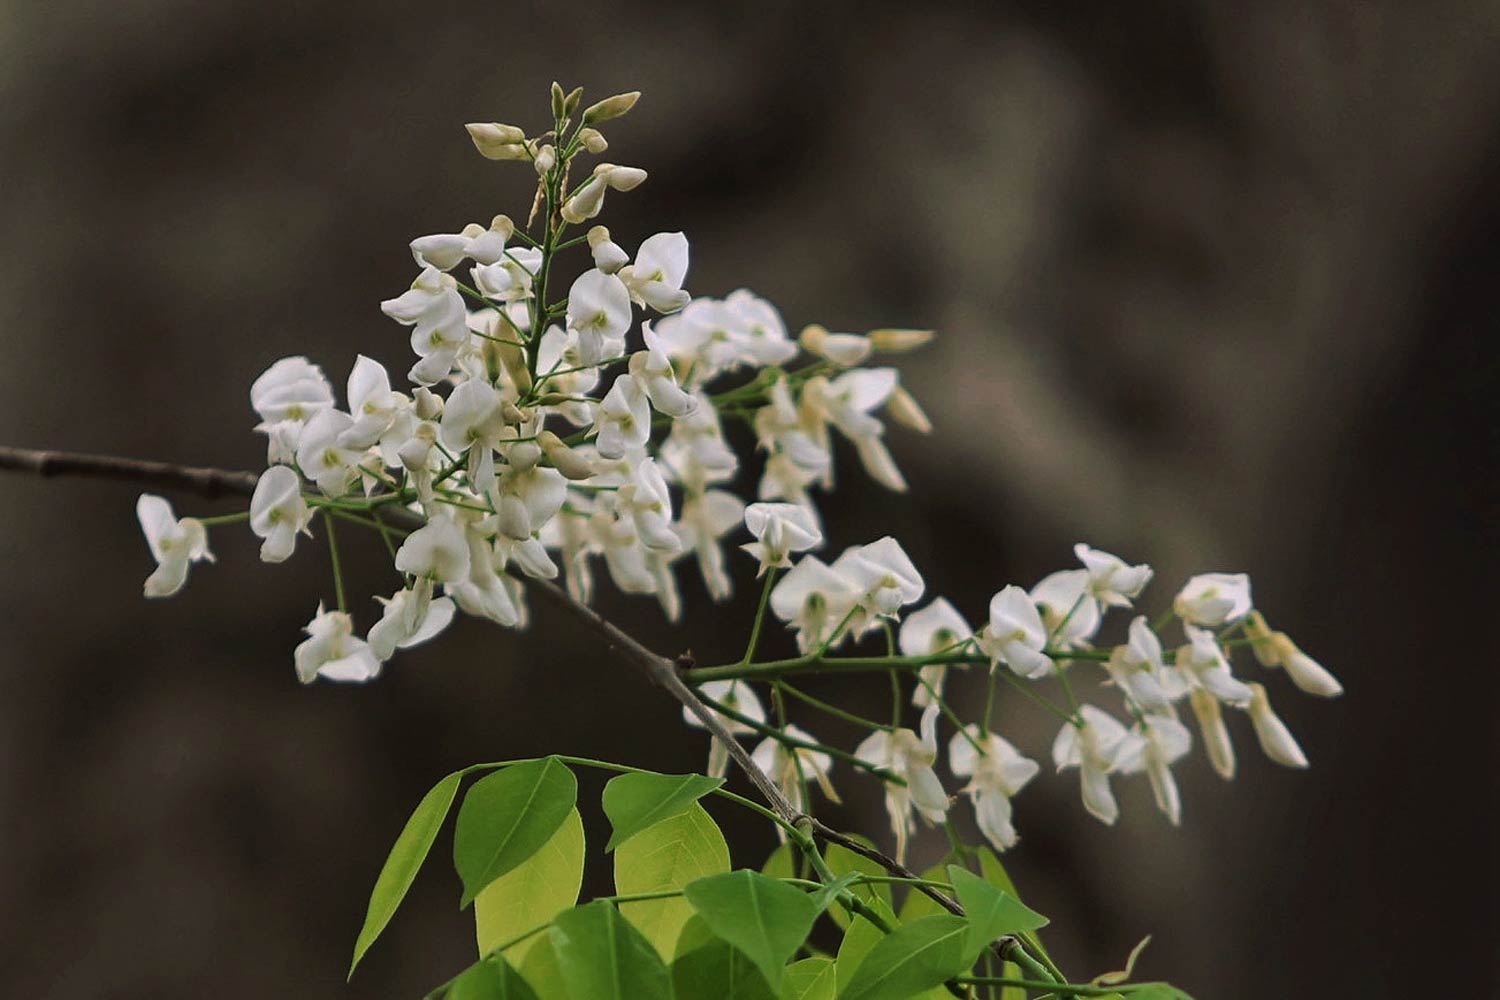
[1156, 991]
[668, 856]
[542, 972]
[405, 859]
[491, 979]
[995, 874]
[532, 893]
[507, 817]
[842, 861]
[991, 911]
[602, 957]
[718, 971]
[860, 938]
[782, 863]
[910, 960]
[810, 979]
[766, 919]
[636, 801]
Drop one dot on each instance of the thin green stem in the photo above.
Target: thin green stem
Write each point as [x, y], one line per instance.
[217, 519]
[771, 732]
[989, 701]
[826, 708]
[338, 573]
[760, 616]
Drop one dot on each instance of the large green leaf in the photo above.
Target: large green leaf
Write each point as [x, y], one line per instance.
[668, 856]
[842, 861]
[532, 893]
[911, 960]
[718, 971]
[860, 938]
[918, 904]
[542, 972]
[810, 979]
[766, 919]
[507, 817]
[602, 957]
[402, 864]
[991, 911]
[639, 800]
[491, 979]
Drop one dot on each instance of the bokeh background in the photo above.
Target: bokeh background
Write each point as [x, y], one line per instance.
[1216, 284]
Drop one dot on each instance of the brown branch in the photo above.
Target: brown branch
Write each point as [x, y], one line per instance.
[658, 669]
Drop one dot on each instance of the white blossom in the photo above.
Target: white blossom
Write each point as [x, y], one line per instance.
[705, 519]
[1069, 611]
[1137, 667]
[1212, 599]
[1092, 744]
[909, 757]
[935, 629]
[1015, 634]
[814, 600]
[1113, 582]
[779, 529]
[791, 767]
[885, 575]
[622, 419]
[655, 278]
[175, 544]
[1154, 745]
[410, 617]
[278, 512]
[995, 777]
[599, 313]
[332, 652]
[438, 551]
[1201, 665]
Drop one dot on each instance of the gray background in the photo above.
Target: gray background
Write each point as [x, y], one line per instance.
[1213, 281]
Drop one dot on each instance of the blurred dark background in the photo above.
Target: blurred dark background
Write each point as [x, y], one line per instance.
[1216, 285]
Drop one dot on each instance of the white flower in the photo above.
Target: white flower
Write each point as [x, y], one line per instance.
[438, 551]
[435, 311]
[706, 517]
[884, 574]
[1015, 634]
[935, 629]
[1154, 746]
[174, 544]
[1091, 744]
[791, 767]
[909, 757]
[527, 495]
[1212, 599]
[322, 458]
[473, 421]
[411, 617]
[695, 452]
[814, 600]
[649, 504]
[510, 278]
[1113, 582]
[846, 403]
[608, 256]
[372, 404]
[332, 652]
[485, 592]
[1137, 667]
[1068, 609]
[737, 696]
[653, 370]
[278, 512]
[622, 419]
[994, 779]
[1201, 665]
[1275, 738]
[780, 529]
[599, 313]
[655, 279]
[588, 200]
[291, 389]
[1276, 649]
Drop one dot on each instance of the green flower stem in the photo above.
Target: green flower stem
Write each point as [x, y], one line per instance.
[1016, 683]
[760, 616]
[338, 573]
[817, 663]
[217, 519]
[825, 707]
[989, 702]
[950, 715]
[771, 732]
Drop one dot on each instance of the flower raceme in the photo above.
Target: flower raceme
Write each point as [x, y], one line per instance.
[545, 435]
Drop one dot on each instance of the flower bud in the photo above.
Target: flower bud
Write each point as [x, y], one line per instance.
[586, 201]
[593, 140]
[427, 404]
[413, 453]
[845, 349]
[905, 410]
[513, 357]
[621, 178]
[899, 341]
[559, 101]
[1259, 634]
[609, 257]
[1275, 738]
[496, 141]
[610, 107]
[523, 455]
[546, 159]
[1305, 672]
[564, 459]
[1215, 734]
[571, 102]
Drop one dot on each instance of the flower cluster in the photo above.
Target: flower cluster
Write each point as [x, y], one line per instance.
[542, 432]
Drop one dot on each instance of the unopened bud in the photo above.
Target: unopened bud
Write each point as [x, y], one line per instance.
[564, 459]
[845, 349]
[413, 453]
[523, 455]
[905, 410]
[559, 101]
[496, 141]
[1305, 672]
[513, 414]
[427, 404]
[900, 341]
[586, 201]
[609, 257]
[610, 107]
[1259, 634]
[1275, 738]
[571, 102]
[546, 159]
[513, 357]
[593, 140]
[620, 178]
